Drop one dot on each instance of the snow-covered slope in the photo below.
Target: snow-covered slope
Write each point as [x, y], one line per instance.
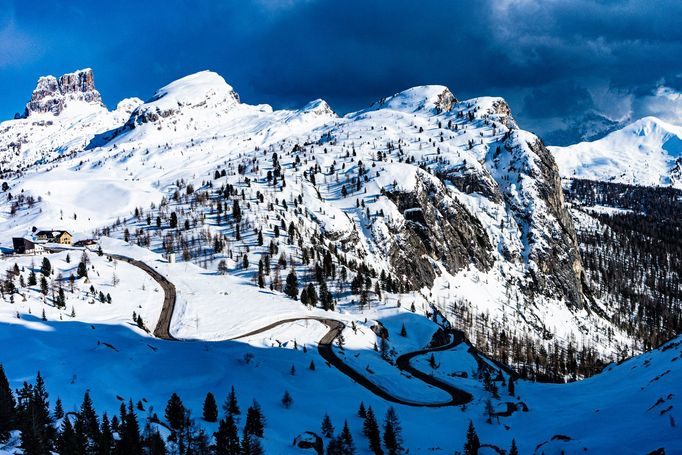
[93, 346]
[448, 200]
[646, 152]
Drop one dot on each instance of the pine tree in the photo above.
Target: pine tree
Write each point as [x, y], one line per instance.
[361, 410]
[236, 211]
[87, 423]
[255, 421]
[287, 400]
[175, 413]
[513, 450]
[511, 387]
[403, 332]
[312, 295]
[46, 267]
[32, 280]
[7, 407]
[472, 443]
[393, 440]
[67, 443]
[327, 427]
[227, 437]
[371, 430]
[58, 409]
[43, 285]
[155, 444]
[326, 297]
[82, 271]
[231, 407]
[251, 445]
[347, 445]
[130, 441]
[291, 288]
[210, 411]
[38, 434]
[105, 444]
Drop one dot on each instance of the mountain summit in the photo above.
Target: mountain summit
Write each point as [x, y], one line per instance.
[646, 152]
[52, 95]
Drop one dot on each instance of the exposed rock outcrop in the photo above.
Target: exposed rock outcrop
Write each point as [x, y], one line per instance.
[52, 95]
[437, 228]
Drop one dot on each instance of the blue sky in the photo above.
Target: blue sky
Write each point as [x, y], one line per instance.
[554, 61]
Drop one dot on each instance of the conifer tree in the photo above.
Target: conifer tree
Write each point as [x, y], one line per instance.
[513, 450]
[43, 285]
[255, 421]
[130, 441]
[227, 437]
[231, 407]
[371, 430]
[58, 409]
[210, 411]
[7, 407]
[393, 440]
[46, 267]
[175, 413]
[472, 443]
[32, 280]
[67, 443]
[327, 427]
[155, 444]
[291, 287]
[236, 211]
[105, 444]
[361, 410]
[287, 400]
[82, 271]
[38, 435]
[346, 439]
[87, 423]
[251, 445]
[511, 386]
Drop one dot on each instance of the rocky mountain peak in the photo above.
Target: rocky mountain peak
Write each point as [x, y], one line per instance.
[52, 95]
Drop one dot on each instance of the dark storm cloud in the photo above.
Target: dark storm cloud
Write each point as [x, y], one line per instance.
[548, 58]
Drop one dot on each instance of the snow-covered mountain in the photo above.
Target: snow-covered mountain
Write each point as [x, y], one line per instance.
[422, 211]
[646, 152]
[438, 194]
[61, 117]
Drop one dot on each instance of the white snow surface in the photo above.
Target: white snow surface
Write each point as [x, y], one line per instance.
[647, 152]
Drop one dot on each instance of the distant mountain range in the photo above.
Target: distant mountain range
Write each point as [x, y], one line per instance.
[645, 152]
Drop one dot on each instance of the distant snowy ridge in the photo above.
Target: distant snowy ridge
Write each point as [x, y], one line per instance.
[646, 152]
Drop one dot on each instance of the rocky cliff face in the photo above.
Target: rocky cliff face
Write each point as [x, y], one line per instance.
[437, 229]
[52, 95]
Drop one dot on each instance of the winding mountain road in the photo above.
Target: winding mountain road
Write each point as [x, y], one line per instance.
[162, 329]
[324, 346]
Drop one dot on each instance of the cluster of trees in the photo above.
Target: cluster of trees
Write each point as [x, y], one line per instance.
[547, 361]
[52, 286]
[472, 443]
[392, 431]
[45, 430]
[634, 258]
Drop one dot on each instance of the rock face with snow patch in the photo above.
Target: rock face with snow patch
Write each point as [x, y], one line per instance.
[52, 95]
[437, 229]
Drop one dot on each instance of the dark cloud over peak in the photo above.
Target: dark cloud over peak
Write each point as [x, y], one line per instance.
[553, 60]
